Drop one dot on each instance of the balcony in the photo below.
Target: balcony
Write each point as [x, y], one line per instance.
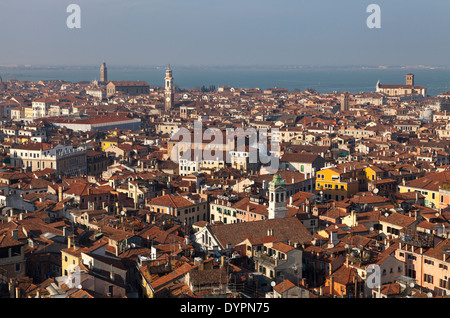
[266, 259]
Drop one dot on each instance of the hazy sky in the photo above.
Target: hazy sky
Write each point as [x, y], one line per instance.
[227, 32]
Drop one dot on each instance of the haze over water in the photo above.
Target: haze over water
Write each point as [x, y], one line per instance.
[324, 80]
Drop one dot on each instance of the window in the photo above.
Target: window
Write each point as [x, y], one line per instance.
[428, 278]
[444, 284]
[429, 262]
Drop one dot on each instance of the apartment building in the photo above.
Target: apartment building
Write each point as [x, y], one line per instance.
[65, 160]
[342, 181]
[187, 209]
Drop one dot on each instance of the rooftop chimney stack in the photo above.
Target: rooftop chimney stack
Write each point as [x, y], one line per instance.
[60, 194]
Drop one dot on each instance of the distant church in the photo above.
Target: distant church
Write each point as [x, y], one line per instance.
[103, 73]
[168, 90]
[2, 85]
[402, 90]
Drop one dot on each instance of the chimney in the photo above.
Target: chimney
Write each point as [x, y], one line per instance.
[331, 285]
[353, 216]
[303, 282]
[69, 242]
[291, 200]
[60, 194]
[21, 216]
[17, 292]
[15, 234]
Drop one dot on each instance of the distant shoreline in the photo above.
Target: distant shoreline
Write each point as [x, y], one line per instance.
[225, 67]
[321, 79]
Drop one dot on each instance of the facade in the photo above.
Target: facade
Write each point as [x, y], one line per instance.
[12, 256]
[427, 264]
[96, 123]
[185, 209]
[279, 260]
[342, 181]
[65, 160]
[301, 162]
[428, 187]
[132, 88]
[96, 162]
[41, 106]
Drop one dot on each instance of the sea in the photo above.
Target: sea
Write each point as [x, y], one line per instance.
[323, 80]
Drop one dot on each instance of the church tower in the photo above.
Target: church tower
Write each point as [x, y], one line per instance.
[168, 90]
[103, 73]
[344, 99]
[410, 79]
[277, 198]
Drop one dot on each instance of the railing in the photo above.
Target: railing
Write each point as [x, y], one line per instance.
[266, 258]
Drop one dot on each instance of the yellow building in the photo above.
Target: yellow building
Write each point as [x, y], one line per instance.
[146, 279]
[374, 173]
[342, 181]
[28, 112]
[429, 188]
[109, 141]
[70, 256]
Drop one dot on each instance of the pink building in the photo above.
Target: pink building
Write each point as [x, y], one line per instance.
[428, 264]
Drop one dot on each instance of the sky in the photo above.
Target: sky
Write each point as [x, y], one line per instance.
[221, 33]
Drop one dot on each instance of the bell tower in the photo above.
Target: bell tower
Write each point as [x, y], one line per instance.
[168, 90]
[344, 99]
[277, 198]
[410, 79]
[103, 73]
